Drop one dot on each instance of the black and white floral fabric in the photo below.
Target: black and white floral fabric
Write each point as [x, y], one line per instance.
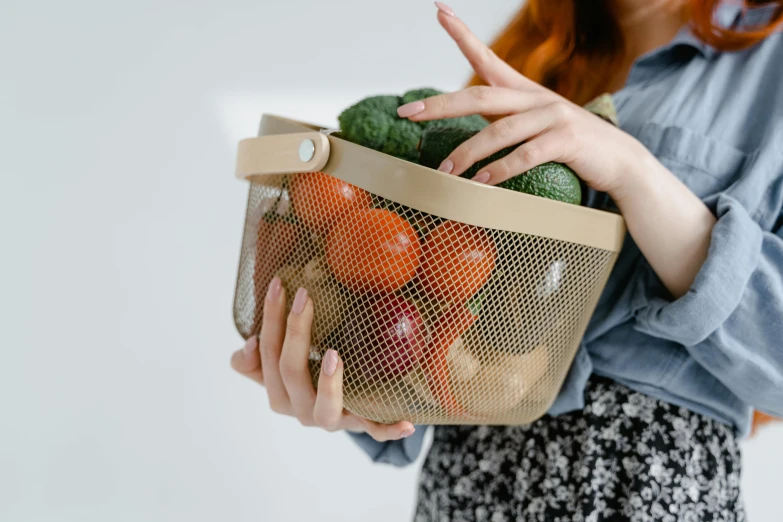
[626, 456]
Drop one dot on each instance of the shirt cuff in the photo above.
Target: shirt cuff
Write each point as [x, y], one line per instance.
[717, 290]
[396, 452]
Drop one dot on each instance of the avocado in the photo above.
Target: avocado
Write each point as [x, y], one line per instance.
[550, 180]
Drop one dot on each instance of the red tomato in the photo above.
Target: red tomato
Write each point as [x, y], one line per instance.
[319, 198]
[457, 261]
[373, 250]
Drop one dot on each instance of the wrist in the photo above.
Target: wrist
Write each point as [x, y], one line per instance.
[639, 174]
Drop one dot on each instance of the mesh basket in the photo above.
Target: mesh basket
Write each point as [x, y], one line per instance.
[450, 302]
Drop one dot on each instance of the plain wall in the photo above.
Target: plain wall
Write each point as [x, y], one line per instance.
[120, 226]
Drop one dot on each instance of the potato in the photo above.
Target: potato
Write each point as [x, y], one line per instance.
[329, 300]
[417, 382]
[502, 384]
[463, 365]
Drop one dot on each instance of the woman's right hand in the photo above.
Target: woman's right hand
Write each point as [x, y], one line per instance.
[278, 360]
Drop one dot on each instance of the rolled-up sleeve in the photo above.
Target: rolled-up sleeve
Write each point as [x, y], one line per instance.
[731, 319]
[398, 453]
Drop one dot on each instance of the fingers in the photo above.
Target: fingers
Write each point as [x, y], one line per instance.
[294, 368]
[270, 342]
[387, 432]
[499, 135]
[328, 411]
[473, 100]
[549, 146]
[247, 361]
[330, 415]
[484, 61]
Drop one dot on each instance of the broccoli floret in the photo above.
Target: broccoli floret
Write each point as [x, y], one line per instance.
[419, 94]
[366, 127]
[369, 121]
[373, 123]
[403, 140]
[385, 103]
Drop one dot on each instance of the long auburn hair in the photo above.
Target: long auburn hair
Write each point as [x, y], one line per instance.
[573, 47]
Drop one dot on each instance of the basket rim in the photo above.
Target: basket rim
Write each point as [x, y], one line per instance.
[458, 199]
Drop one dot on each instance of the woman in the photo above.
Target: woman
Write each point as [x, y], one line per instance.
[686, 339]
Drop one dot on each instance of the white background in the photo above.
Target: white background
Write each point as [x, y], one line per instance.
[120, 226]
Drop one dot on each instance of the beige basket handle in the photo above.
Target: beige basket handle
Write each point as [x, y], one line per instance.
[282, 154]
[276, 151]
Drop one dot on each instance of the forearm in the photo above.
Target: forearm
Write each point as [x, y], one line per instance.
[670, 224]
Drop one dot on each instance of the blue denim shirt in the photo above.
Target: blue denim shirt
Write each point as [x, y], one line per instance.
[716, 121]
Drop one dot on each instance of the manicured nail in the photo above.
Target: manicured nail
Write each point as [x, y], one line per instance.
[274, 289]
[330, 362]
[443, 8]
[407, 433]
[481, 177]
[251, 345]
[299, 301]
[447, 166]
[409, 109]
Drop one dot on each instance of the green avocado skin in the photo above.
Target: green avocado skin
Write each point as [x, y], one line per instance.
[550, 180]
[373, 123]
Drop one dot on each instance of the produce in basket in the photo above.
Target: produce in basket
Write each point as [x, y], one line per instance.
[463, 364]
[373, 250]
[329, 299]
[457, 261]
[502, 383]
[532, 325]
[384, 338]
[446, 332]
[416, 381]
[275, 227]
[318, 199]
[373, 122]
[550, 180]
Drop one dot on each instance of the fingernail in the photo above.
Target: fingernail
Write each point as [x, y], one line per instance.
[299, 301]
[274, 289]
[447, 166]
[409, 109]
[251, 345]
[407, 433]
[481, 177]
[443, 8]
[330, 362]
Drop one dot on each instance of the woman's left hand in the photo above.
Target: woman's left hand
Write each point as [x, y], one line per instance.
[551, 127]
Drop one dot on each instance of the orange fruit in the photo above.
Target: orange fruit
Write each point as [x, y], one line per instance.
[373, 250]
[457, 261]
[319, 198]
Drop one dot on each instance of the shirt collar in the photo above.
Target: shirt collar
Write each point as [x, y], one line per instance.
[727, 15]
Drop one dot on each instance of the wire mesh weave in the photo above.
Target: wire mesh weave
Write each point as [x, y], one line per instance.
[437, 322]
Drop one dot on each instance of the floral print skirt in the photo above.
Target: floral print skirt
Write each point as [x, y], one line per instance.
[626, 456]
